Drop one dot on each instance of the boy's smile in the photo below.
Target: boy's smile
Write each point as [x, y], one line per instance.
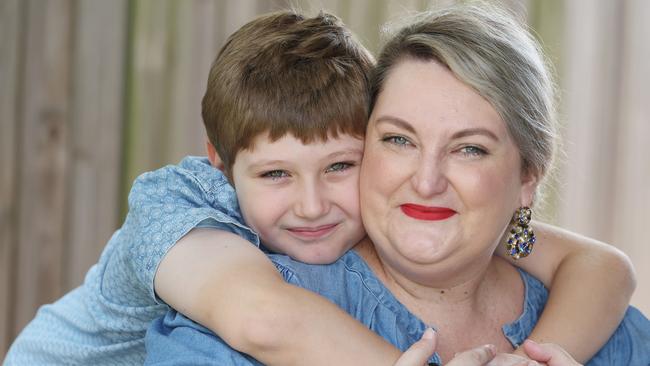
[302, 199]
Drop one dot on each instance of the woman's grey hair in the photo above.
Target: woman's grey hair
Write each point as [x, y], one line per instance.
[486, 48]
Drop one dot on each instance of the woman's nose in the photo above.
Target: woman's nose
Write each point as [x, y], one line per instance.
[429, 179]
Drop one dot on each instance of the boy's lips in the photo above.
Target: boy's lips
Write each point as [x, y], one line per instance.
[312, 232]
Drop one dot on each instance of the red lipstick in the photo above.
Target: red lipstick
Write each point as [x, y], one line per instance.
[428, 213]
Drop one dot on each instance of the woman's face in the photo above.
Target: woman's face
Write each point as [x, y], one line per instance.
[441, 176]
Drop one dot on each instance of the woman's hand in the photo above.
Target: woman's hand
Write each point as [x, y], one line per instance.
[420, 352]
[549, 353]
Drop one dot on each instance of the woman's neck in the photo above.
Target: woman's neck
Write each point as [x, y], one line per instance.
[440, 286]
[468, 307]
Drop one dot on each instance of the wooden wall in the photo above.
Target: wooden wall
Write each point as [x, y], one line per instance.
[62, 76]
[95, 92]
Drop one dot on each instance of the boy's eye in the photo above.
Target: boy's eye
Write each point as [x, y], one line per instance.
[472, 151]
[340, 166]
[274, 174]
[397, 140]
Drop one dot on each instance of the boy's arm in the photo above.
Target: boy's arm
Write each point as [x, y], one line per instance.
[587, 279]
[221, 281]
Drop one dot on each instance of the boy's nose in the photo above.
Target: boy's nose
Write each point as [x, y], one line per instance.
[311, 203]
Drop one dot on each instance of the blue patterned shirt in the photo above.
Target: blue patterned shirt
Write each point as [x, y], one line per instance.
[103, 322]
[350, 284]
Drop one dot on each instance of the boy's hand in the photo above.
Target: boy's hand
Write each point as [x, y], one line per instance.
[549, 353]
[418, 354]
[509, 359]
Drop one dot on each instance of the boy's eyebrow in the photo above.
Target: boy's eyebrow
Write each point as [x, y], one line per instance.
[346, 152]
[459, 134]
[264, 163]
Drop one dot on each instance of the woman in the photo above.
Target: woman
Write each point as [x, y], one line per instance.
[460, 137]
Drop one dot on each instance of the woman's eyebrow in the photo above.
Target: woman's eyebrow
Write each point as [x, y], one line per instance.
[475, 131]
[396, 122]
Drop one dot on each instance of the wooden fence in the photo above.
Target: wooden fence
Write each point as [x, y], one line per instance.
[94, 92]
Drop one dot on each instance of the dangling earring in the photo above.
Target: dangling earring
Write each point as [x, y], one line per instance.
[521, 237]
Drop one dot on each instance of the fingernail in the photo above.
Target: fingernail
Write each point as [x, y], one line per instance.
[491, 348]
[428, 334]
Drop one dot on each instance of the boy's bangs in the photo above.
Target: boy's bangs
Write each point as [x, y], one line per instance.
[309, 115]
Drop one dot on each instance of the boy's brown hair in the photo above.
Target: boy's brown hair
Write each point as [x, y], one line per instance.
[286, 73]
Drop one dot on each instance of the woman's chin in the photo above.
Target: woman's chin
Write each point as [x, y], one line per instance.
[423, 248]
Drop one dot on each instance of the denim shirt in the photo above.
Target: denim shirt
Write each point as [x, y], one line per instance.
[104, 321]
[349, 283]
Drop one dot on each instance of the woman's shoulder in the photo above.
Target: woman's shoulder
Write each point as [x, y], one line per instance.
[348, 281]
[320, 276]
[535, 297]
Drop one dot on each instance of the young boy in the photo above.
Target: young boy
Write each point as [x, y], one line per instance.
[285, 113]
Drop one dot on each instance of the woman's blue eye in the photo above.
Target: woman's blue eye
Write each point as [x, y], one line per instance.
[473, 151]
[397, 140]
[340, 166]
[275, 174]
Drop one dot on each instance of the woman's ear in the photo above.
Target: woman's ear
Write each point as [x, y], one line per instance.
[213, 156]
[529, 182]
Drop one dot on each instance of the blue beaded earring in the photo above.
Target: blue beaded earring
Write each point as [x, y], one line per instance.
[521, 237]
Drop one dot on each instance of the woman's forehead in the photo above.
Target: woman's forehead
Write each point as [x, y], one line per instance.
[428, 94]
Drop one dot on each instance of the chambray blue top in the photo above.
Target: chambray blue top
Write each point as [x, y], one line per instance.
[104, 321]
[349, 283]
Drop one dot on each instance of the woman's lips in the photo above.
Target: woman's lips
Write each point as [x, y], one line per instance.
[428, 213]
[312, 232]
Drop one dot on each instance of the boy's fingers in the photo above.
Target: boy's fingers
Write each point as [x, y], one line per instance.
[509, 359]
[549, 353]
[536, 352]
[478, 356]
[418, 354]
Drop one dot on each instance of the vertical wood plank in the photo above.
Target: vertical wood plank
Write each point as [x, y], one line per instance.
[43, 168]
[365, 17]
[631, 211]
[192, 40]
[546, 20]
[236, 14]
[591, 70]
[146, 120]
[11, 12]
[96, 132]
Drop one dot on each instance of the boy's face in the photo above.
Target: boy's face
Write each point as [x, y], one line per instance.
[303, 200]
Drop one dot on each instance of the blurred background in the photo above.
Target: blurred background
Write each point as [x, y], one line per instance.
[95, 92]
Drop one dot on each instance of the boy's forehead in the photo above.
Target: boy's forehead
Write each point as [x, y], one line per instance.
[264, 141]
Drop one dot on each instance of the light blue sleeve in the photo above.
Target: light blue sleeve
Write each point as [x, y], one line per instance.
[164, 205]
[177, 340]
[629, 345]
